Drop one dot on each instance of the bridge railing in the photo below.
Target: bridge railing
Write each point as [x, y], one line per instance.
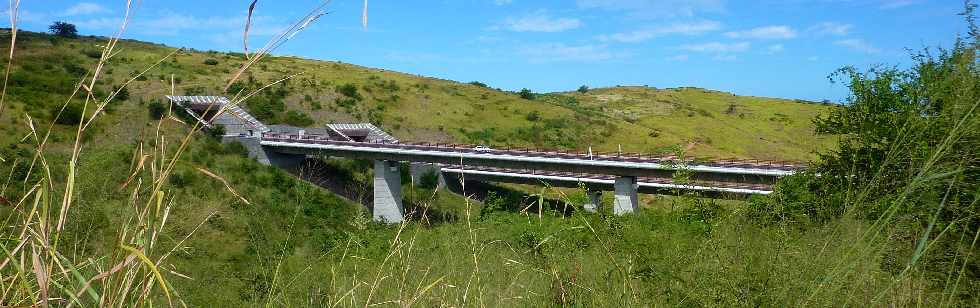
[529, 152]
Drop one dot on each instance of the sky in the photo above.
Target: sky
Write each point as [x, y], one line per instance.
[784, 48]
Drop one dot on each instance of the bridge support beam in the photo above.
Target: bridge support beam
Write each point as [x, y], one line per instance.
[626, 195]
[388, 193]
[595, 201]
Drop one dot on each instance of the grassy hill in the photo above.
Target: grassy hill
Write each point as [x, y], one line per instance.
[258, 236]
[702, 122]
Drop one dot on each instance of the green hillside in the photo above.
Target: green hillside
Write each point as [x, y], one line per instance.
[232, 233]
[705, 123]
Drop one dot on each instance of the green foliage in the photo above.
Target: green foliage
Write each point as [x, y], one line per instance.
[798, 200]
[350, 91]
[903, 127]
[527, 94]
[122, 93]
[72, 114]
[157, 109]
[92, 53]
[533, 116]
[583, 89]
[216, 132]
[210, 61]
[478, 84]
[63, 29]
[297, 118]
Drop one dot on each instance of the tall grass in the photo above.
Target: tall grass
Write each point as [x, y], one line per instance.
[456, 251]
[38, 266]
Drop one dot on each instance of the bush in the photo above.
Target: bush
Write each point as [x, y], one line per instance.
[92, 53]
[63, 29]
[907, 147]
[72, 115]
[533, 116]
[297, 118]
[527, 94]
[216, 132]
[122, 95]
[210, 61]
[478, 84]
[583, 89]
[349, 90]
[156, 109]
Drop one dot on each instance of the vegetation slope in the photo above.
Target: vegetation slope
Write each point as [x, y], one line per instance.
[244, 234]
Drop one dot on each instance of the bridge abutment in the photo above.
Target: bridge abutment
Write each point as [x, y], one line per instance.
[267, 156]
[388, 193]
[626, 200]
[595, 201]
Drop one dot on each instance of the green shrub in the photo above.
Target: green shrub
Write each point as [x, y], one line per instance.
[527, 94]
[350, 91]
[210, 61]
[297, 118]
[71, 115]
[583, 89]
[157, 109]
[92, 53]
[533, 116]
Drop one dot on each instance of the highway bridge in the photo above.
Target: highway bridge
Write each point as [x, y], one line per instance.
[625, 174]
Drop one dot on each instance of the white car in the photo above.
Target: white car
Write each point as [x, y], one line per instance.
[482, 149]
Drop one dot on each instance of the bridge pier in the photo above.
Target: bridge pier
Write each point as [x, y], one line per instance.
[388, 192]
[626, 195]
[595, 201]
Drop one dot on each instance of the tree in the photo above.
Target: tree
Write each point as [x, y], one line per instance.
[583, 89]
[527, 94]
[157, 110]
[63, 29]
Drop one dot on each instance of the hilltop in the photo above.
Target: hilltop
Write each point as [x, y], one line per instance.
[411, 107]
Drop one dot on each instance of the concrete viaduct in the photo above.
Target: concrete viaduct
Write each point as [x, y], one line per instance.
[627, 175]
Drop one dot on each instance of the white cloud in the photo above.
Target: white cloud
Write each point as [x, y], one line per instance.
[556, 52]
[717, 47]
[831, 28]
[858, 45]
[541, 22]
[656, 8]
[771, 32]
[693, 28]
[774, 49]
[84, 8]
[502, 2]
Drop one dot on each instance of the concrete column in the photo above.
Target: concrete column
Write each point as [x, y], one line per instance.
[594, 202]
[626, 196]
[388, 192]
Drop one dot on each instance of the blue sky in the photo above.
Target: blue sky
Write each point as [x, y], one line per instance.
[773, 48]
